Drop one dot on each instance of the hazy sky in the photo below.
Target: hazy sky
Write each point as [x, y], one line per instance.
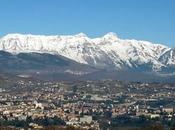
[152, 20]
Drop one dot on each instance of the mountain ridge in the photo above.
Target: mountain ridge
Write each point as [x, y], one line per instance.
[108, 52]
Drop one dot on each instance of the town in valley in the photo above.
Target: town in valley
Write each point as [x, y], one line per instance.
[103, 104]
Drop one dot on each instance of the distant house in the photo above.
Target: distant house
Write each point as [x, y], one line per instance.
[87, 119]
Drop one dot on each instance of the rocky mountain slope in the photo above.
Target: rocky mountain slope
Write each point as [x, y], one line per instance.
[107, 53]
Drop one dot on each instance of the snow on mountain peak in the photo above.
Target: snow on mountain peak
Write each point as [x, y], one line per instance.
[81, 35]
[99, 52]
[110, 36]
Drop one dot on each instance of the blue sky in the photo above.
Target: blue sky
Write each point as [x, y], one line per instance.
[152, 20]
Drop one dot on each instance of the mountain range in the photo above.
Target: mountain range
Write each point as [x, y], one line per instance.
[78, 57]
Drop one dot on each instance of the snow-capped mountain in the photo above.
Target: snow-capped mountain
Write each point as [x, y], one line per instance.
[107, 52]
[168, 57]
